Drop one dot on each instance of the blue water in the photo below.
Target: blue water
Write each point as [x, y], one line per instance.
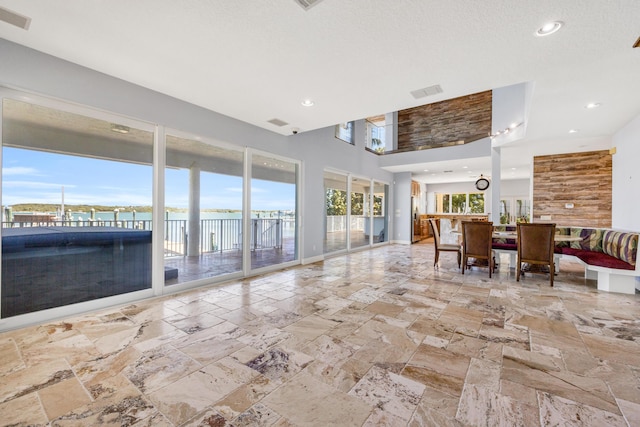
[146, 216]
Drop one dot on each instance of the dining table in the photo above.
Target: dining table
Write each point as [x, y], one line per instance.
[514, 236]
[557, 238]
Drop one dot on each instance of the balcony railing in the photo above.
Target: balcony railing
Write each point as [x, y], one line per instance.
[216, 235]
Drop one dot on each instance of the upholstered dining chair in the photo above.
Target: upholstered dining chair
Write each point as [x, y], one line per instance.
[476, 243]
[441, 247]
[535, 246]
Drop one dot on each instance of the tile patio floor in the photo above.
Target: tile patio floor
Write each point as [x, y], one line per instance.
[373, 338]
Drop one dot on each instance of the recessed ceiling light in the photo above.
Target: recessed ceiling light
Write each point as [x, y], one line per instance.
[307, 103]
[426, 170]
[513, 169]
[573, 130]
[592, 105]
[549, 28]
[465, 167]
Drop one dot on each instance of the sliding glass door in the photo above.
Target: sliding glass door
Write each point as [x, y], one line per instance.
[335, 191]
[76, 197]
[380, 220]
[360, 210]
[203, 210]
[273, 231]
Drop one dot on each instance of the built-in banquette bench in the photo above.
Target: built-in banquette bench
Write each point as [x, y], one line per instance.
[609, 256]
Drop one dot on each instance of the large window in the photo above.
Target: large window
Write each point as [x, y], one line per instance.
[514, 210]
[380, 221]
[203, 210]
[460, 203]
[335, 190]
[354, 218]
[344, 131]
[360, 210]
[80, 221]
[376, 134]
[273, 228]
[77, 197]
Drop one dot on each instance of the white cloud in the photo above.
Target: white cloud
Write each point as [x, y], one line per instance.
[33, 185]
[20, 170]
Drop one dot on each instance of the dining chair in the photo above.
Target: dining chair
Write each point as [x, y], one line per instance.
[441, 247]
[476, 243]
[535, 246]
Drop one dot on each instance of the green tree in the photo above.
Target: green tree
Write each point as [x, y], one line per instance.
[377, 205]
[357, 202]
[336, 202]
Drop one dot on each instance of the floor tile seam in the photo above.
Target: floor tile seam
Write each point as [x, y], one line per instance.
[571, 384]
[624, 414]
[616, 399]
[22, 360]
[582, 404]
[159, 411]
[211, 405]
[188, 372]
[497, 394]
[75, 376]
[34, 388]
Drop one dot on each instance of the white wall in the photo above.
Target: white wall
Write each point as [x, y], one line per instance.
[26, 69]
[625, 213]
[514, 187]
[401, 213]
[508, 188]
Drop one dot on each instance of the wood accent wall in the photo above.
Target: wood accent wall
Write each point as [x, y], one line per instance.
[467, 119]
[584, 179]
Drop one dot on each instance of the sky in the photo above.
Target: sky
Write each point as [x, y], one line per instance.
[30, 176]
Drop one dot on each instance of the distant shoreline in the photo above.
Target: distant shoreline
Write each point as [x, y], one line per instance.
[47, 207]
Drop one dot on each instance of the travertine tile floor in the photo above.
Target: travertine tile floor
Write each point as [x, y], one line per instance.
[368, 339]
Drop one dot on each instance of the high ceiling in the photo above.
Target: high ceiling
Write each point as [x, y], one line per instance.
[257, 60]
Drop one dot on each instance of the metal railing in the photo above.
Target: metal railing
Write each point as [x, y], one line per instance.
[216, 235]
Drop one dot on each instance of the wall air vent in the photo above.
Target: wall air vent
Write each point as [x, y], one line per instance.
[278, 122]
[427, 91]
[13, 18]
[307, 4]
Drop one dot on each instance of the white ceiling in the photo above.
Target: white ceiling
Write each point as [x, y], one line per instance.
[256, 60]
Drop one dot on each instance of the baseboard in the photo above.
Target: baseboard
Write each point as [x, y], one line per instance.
[401, 242]
[311, 260]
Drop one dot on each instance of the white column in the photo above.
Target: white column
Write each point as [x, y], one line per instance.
[494, 212]
[193, 248]
[391, 131]
[157, 237]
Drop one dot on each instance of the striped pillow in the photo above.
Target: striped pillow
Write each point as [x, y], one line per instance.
[621, 245]
[591, 239]
[563, 231]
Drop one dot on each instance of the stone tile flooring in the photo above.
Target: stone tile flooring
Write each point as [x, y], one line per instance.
[368, 339]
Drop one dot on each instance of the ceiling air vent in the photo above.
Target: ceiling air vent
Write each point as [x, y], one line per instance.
[427, 91]
[278, 122]
[307, 4]
[13, 18]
